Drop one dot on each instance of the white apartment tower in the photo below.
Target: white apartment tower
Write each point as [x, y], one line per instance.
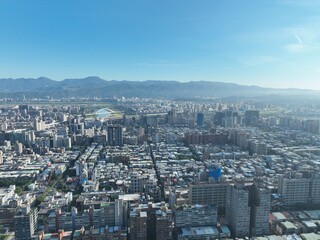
[238, 211]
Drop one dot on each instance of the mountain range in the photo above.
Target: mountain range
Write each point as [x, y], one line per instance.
[95, 86]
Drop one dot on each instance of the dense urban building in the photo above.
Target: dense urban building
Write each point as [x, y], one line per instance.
[209, 193]
[248, 208]
[115, 136]
[25, 223]
[168, 170]
[300, 188]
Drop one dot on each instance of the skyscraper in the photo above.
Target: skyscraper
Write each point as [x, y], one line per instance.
[200, 119]
[164, 224]
[251, 117]
[1, 157]
[115, 136]
[260, 202]
[238, 210]
[25, 223]
[138, 225]
[248, 208]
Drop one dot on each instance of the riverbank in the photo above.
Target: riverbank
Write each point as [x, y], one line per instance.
[104, 113]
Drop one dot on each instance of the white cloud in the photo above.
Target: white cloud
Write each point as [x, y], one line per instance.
[304, 37]
[298, 39]
[296, 47]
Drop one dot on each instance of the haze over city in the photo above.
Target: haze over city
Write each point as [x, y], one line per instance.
[272, 43]
[159, 120]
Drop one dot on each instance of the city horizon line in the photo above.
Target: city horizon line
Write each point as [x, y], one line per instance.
[162, 80]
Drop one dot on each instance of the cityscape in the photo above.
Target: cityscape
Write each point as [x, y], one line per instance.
[159, 120]
[131, 168]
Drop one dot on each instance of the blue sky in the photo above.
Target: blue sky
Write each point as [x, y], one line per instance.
[273, 43]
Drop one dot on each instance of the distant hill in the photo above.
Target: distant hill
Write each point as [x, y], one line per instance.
[95, 86]
[24, 84]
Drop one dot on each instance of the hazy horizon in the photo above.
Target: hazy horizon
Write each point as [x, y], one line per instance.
[272, 43]
[119, 80]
